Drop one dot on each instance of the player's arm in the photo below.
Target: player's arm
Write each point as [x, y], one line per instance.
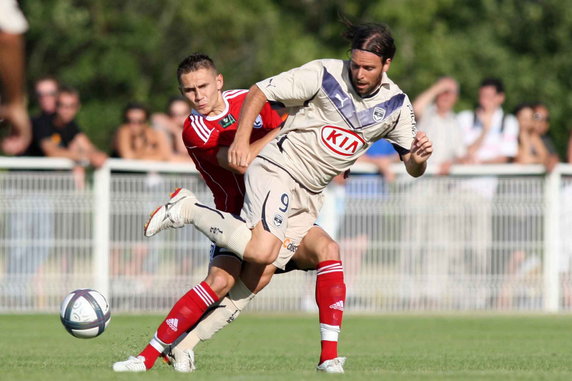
[416, 160]
[255, 148]
[420, 148]
[239, 150]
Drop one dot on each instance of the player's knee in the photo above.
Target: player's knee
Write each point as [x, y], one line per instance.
[330, 251]
[220, 282]
[263, 248]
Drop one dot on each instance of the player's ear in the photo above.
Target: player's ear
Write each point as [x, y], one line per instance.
[385, 65]
[219, 81]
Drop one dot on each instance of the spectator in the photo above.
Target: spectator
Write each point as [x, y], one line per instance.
[531, 149]
[434, 112]
[425, 261]
[542, 118]
[46, 94]
[171, 124]
[58, 135]
[136, 140]
[491, 137]
[13, 106]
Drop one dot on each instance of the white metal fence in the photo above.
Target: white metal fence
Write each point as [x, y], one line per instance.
[483, 238]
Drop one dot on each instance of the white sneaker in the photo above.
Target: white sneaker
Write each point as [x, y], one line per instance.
[168, 215]
[332, 366]
[183, 360]
[132, 364]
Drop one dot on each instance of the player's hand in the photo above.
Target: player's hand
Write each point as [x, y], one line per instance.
[239, 153]
[421, 148]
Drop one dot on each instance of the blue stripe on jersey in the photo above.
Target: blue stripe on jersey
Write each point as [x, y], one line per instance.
[347, 109]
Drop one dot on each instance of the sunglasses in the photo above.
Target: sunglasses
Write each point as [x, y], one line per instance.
[540, 117]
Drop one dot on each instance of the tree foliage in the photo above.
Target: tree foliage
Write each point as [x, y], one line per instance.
[115, 52]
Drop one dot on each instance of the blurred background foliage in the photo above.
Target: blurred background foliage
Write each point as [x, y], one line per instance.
[119, 51]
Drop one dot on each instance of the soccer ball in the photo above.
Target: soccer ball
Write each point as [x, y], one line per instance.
[85, 313]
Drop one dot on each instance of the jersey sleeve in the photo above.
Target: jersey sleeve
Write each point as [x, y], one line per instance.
[270, 117]
[294, 87]
[402, 135]
[201, 141]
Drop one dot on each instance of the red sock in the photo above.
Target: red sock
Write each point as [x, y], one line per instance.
[184, 314]
[330, 297]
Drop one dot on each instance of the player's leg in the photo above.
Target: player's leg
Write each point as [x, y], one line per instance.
[253, 278]
[265, 212]
[187, 311]
[317, 250]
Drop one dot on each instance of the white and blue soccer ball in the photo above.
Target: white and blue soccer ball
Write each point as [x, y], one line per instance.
[85, 313]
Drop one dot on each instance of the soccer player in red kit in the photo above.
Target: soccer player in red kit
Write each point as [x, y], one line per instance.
[208, 132]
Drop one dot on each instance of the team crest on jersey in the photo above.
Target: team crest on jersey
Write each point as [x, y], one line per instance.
[378, 114]
[258, 122]
[278, 220]
[227, 121]
[341, 141]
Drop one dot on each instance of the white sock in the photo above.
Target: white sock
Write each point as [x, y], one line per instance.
[230, 307]
[224, 229]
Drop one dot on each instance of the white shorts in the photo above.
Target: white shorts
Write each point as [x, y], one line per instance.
[285, 208]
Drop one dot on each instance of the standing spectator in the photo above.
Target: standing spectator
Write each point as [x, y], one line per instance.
[542, 118]
[54, 135]
[436, 117]
[171, 124]
[47, 95]
[531, 148]
[491, 137]
[425, 261]
[490, 133]
[135, 139]
[13, 101]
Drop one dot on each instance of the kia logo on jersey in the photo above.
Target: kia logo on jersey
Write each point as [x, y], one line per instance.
[341, 141]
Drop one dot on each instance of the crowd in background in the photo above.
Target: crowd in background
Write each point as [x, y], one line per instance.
[487, 134]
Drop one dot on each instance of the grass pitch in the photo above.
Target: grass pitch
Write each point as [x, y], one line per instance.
[271, 347]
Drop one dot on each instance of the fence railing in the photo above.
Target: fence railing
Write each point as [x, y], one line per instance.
[491, 237]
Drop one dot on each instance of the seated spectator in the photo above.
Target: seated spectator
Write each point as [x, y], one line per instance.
[542, 119]
[171, 124]
[58, 135]
[135, 139]
[531, 149]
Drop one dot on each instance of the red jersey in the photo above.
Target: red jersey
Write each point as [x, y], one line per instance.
[203, 135]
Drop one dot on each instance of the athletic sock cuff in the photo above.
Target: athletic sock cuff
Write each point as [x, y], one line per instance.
[328, 267]
[205, 293]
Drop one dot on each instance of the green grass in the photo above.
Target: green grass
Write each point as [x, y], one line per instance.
[271, 347]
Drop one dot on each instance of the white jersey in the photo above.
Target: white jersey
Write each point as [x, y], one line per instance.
[330, 125]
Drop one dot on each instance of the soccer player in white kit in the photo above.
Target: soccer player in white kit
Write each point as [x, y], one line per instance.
[337, 109]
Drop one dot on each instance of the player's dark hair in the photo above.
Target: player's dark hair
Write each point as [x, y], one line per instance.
[494, 82]
[134, 106]
[194, 62]
[371, 37]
